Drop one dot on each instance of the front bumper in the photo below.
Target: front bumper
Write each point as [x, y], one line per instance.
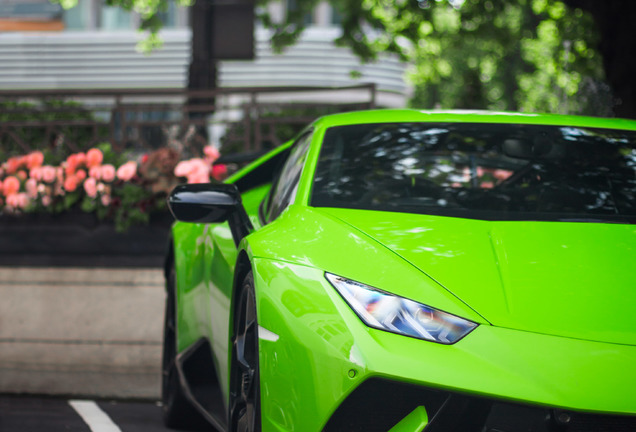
[324, 357]
[367, 409]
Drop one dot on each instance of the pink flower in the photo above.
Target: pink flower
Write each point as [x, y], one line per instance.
[195, 170]
[108, 173]
[21, 175]
[211, 154]
[35, 159]
[70, 184]
[80, 174]
[199, 178]
[200, 171]
[71, 164]
[182, 169]
[11, 186]
[23, 200]
[501, 174]
[219, 172]
[36, 173]
[90, 186]
[13, 200]
[127, 171]
[13, 164]
[105, 200]
[95, 172]
[94, 157]
[46, 200]
[32, 187]
[48, 174]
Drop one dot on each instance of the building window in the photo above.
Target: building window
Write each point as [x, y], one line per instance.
[77, 18]
[114, 18]
[96, 15]
[292, 5]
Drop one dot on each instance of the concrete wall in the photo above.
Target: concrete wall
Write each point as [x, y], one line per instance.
[94, 332]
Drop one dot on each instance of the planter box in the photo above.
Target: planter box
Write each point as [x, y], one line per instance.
[81, 240]
[79, 331]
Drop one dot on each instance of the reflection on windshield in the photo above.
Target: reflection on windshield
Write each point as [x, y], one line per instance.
[483, 171]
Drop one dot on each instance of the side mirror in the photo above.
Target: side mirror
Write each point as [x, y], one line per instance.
[211, 203]
[203, 203]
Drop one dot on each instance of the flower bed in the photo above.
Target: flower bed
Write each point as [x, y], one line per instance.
[100, 182]
[95, 208]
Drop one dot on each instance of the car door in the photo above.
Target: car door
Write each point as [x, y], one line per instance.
[221, 253]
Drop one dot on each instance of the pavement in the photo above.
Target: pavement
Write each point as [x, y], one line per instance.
[57, 414]
[91, 332]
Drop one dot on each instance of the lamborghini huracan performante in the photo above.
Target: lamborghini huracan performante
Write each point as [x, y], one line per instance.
[409, 271]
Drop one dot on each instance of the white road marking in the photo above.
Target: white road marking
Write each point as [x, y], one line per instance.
[96, 419]
[267, 335]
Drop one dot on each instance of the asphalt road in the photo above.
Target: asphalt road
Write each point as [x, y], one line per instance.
[44, 414]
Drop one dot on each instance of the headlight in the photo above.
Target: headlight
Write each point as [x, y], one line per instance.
[385, 311]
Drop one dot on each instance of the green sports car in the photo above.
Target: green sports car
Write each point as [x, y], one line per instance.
[399, 270]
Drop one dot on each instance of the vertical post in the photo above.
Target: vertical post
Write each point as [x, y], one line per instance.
[202, 72]
[113, 123]
[124, 126]
[256, 145]
[247, 125]
[373, 95]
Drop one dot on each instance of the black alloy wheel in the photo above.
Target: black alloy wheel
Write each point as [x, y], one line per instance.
[177, 412]
[245, 385]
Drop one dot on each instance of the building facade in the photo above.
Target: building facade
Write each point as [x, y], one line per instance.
[93, 45]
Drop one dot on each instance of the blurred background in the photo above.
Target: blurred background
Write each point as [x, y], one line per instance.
[105, 105]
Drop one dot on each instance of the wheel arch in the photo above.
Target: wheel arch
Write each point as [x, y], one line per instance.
[243, 267]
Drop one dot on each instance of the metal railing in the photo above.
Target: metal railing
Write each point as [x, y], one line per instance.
[138, 120]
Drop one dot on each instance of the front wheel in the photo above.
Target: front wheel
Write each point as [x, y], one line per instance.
[245, 384]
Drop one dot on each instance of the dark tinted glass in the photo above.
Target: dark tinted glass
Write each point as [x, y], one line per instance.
[482, 171]
[286, 185]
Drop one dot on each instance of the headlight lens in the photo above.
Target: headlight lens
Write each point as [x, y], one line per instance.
[385, 311]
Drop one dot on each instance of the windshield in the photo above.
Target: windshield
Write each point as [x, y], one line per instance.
[480, 171]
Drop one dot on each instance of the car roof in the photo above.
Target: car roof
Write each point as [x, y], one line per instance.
[466, 116]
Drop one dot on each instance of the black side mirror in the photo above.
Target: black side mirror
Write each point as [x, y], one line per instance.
[203, 203]
[211, 203]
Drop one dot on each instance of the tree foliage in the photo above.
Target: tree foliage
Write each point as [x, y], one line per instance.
[528, 55]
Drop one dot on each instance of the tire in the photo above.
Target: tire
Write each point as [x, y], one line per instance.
[177, 411]
[245, 403]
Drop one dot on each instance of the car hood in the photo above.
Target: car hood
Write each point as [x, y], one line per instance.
[560, 278]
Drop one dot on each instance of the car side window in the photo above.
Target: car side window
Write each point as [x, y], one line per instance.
[286, 185]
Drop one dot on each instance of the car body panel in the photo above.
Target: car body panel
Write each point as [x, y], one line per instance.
[321, 340]
[472, 116]
[554, 301]
[309, 236]
[205, 257]
[531, 276]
